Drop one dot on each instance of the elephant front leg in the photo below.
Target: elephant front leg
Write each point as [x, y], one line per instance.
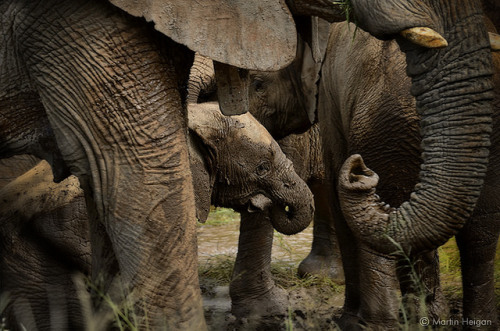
[379, 304]
[150, 226]
[253, 291]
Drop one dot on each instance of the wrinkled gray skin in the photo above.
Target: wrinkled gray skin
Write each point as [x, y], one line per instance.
[254, 175]
[126, 147]
[370, 296]
[51, 218]
[44, 243]
[365, 108]
[285, 103]
[382, 125]
[252, 289]
[92, 157]
[305, 151]
[275, 99]
[247, 169]
[257, 294]
[114, 93]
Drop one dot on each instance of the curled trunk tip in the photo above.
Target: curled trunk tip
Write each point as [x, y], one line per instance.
[290, 220]
[356, 176]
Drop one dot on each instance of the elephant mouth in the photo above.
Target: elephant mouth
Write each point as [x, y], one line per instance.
[287, 218]
[258, 203]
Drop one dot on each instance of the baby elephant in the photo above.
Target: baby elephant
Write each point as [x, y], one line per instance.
[44, 235]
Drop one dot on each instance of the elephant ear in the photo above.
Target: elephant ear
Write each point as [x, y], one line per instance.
[313, 39]
[203, 177]
[204, 135]
[257, 35]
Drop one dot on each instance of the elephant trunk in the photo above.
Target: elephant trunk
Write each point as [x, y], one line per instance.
[293, 205]
[454, 103]
[201, 79]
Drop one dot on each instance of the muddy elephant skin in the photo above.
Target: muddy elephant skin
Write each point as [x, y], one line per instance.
[44, 243]
[349, 133]
[40, 217]
[114, 92]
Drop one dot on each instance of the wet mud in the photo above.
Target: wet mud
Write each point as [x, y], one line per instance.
[310, 308]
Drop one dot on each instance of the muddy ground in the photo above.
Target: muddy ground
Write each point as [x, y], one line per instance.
[314, 304]
[311, 307]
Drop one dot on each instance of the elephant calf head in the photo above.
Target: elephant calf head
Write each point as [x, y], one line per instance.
[247, 169]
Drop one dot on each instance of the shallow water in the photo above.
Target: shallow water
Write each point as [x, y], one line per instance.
[222, 239]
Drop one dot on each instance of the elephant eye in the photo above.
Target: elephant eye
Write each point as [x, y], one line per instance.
[263, 168]
[258, 85]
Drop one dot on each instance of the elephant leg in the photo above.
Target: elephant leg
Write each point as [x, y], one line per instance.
[350, 319]
[420, 287]
[370, 281]
[477, 242]
[38, 282]
[324, 258]
[478, 239]
[252, 290]
[379, 304]
[110, 85]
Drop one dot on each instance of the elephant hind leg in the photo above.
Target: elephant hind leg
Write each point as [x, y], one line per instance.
[324, 258]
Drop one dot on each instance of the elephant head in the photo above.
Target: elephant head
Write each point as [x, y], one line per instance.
[285, 101]
[247, 169]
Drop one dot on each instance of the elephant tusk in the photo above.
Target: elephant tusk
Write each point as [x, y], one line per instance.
[425, 37]
[494, 41]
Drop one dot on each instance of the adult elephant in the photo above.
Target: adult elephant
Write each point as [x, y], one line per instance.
[114, 91]
[100, 129]
[356, 116]
[40, 218]
[367, 297]
[285, 102]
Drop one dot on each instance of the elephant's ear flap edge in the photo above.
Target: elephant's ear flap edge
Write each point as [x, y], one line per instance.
[204, 121]
[255, 35]
[313, 39]
[203, 177]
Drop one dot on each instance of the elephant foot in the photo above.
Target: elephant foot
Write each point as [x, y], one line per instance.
[269, 306]
[321, 265]
[437, 306]
[349, 321]
[416, 307]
